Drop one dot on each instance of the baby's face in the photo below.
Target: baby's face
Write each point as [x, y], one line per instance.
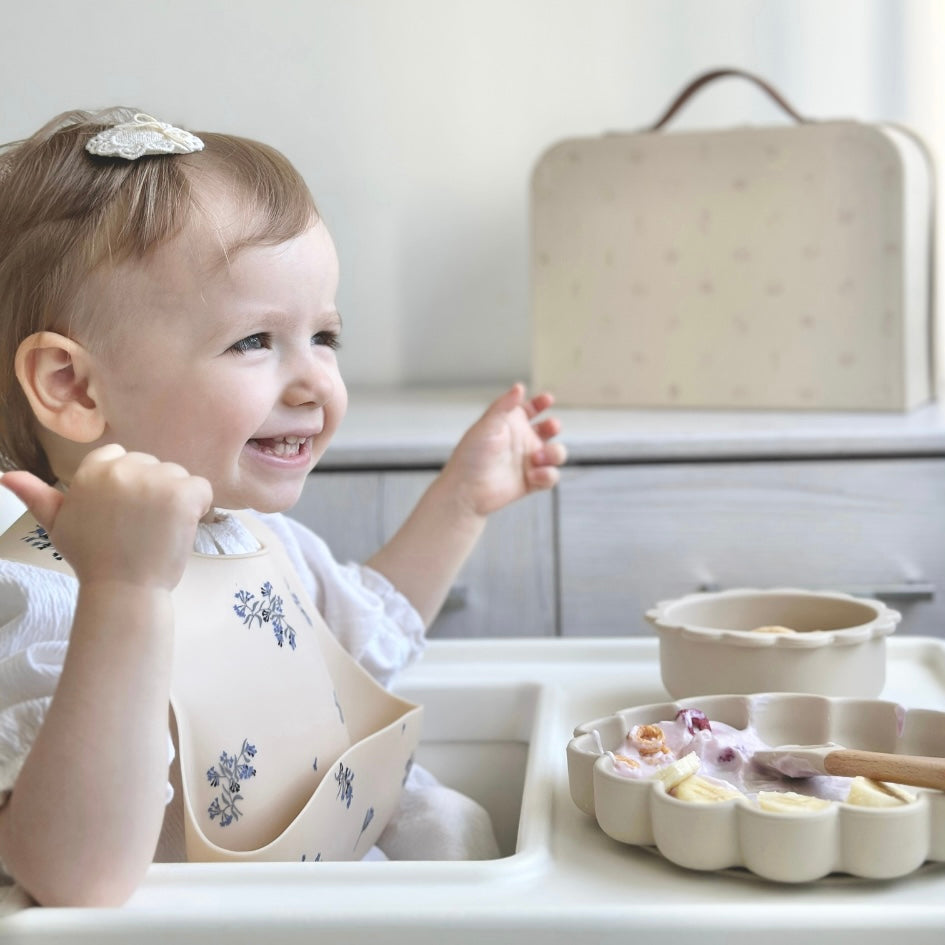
[228, 368]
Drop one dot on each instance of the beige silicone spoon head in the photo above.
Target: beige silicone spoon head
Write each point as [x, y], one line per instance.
[804, 761]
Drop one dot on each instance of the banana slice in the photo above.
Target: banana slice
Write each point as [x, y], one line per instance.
[678, 771]
[700, 790]
[865, 792]
[787, 802]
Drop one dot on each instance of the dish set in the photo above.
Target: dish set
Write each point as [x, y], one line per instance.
[783, 667]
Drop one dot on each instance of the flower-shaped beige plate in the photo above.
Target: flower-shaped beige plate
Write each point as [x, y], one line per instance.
[871, 842]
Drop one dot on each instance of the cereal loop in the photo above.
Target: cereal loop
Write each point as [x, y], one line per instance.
[648, 740]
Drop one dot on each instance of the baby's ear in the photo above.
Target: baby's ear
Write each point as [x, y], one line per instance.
[54, 373]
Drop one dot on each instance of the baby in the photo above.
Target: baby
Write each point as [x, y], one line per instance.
[169, 335]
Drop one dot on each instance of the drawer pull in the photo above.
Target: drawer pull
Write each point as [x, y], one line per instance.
[908, 591]
[456, 599]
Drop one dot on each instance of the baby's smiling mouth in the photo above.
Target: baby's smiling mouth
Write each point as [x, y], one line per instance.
[281, 445]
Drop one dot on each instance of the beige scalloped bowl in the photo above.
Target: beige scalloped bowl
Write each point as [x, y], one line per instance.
[871, 842]
[710, 643]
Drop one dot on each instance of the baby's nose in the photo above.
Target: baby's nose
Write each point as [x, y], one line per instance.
[313, 384]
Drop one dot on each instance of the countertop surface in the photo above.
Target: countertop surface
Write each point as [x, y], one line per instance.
[410, 427]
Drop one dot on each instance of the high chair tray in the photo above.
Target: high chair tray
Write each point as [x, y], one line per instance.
[499, 716]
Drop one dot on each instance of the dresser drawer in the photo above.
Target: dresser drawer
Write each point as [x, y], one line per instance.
[630, 535]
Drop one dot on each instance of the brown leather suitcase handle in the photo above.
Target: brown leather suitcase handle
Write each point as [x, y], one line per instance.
[702, 80]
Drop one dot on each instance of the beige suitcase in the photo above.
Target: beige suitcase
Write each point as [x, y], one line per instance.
[780, 267]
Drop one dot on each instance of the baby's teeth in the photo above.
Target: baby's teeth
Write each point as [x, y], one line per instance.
[285, 445]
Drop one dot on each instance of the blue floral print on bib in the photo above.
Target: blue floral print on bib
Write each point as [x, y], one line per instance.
[233, 770]
[267, 608]
[39, 539]
[345, 776]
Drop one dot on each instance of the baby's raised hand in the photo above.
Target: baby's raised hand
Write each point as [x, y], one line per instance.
[126, 517]
[507, 453]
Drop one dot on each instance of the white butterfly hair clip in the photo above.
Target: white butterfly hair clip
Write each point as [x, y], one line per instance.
[142, 135]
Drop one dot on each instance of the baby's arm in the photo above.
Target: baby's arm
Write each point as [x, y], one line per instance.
[504, 456]
[82, 822]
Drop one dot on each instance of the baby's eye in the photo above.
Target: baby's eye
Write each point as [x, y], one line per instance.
[254, 342]
[329, 339]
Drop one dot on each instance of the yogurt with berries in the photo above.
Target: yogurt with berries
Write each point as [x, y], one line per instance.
[725, 754]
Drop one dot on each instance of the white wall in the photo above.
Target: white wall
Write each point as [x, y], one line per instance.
[417, 122]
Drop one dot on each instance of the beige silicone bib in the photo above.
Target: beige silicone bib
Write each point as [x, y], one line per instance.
[289, 750]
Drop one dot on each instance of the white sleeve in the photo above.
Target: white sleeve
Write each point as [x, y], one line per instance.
[372, 620]
[36, 607]
[36, 611]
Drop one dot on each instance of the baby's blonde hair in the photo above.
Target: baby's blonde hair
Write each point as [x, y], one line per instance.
[65, 212]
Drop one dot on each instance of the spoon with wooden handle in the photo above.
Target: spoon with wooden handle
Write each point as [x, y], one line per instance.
[805, 761]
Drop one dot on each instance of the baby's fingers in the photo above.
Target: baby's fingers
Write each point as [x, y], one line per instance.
[542, 472]
[550, 455]
[542, 477]
[191, 495]
[200, 494]
[538, 404]
[41, 499]
[547, 428]
[141, 486]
